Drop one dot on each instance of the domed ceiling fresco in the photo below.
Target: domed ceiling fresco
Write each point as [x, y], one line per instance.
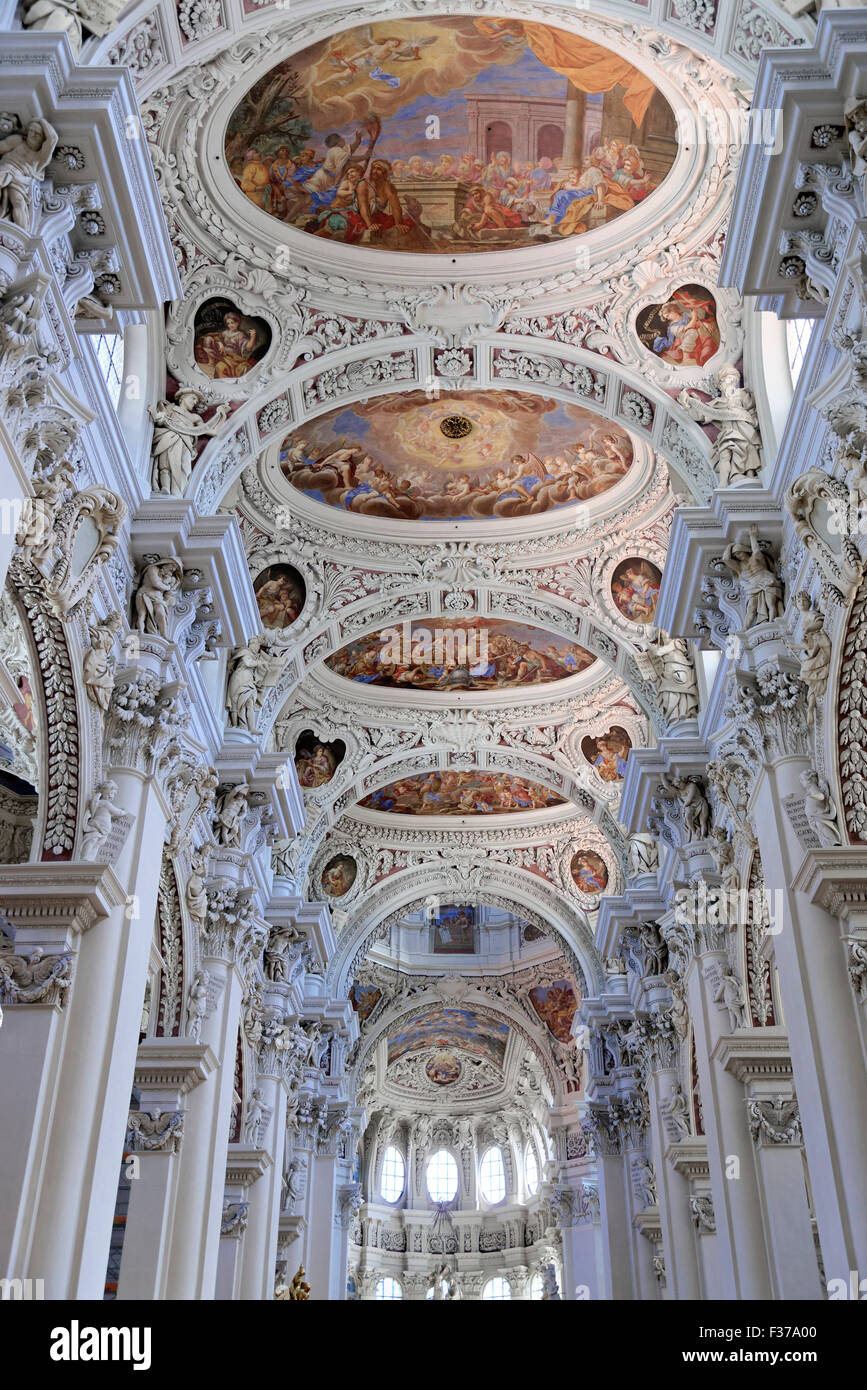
[459, 654]
[469, 455]
[417, 135]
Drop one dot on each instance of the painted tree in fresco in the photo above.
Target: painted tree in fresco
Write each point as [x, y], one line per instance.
[267, 116]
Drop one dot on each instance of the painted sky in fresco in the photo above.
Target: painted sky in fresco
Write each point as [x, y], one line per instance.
[450, 1029]
[468, 455]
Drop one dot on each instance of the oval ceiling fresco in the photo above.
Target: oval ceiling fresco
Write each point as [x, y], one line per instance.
[452, 793]
[474, 455]
[459, 654]
[450, 1030]
[416, 135]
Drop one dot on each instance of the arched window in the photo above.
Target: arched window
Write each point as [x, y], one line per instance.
[393, 1175]
[498, 139]
[549, 141]
[442, 1177]
[492, 1176]
[537, 1287]
[798, 335]
[388, 1288]
[497, 1288]
[531, 1171]
[109, 354]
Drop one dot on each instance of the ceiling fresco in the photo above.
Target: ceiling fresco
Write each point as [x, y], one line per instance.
[452, 793]
[459, 654]
[556, 1004]
[416, 135]
[469, 455]
[364, 999]
[451, 1030]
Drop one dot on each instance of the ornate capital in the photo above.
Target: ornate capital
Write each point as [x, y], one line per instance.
[661, 1045]
[232, 932]
[155, 1131]
[145, 722]
[233, 1223]
[350, 1200]
[774, 1121]
[770, 714]
[701, 1209]
[603, 1132]
[33, 977]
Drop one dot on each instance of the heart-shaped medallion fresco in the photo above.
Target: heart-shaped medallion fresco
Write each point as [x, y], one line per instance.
[683, 331]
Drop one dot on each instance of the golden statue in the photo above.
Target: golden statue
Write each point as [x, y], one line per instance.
[299, 1289]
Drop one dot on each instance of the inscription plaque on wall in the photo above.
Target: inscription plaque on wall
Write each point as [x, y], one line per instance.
[794, 805]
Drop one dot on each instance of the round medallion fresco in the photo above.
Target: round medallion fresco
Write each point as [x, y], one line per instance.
[339, 875]
[417, 135]
[635, 589]
[389, 456]
[280, 595]
[463, 654]
[442, 1068]
[589, 871]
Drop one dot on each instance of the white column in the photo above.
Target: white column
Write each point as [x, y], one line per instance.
[681, 1261]
[72, 1229]
[196, 1236]
[259, 1256]
[49, 907]
[741, 1251]
[824, 1035]
[168, 1069]
[245, 1170]
[614, 1209]
[583, 1258]
[759, 1059]
[322, 1216]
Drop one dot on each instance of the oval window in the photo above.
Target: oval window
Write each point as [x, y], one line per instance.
[442, 1177]
[492, 1176]
[393, 1175]
[531, 1171]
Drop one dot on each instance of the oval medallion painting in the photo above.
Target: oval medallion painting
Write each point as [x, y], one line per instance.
[442, 1068]
[339, 875]
[226, 343]
[390, 457]
[280, 594]
[416, 135]
[635, 589]
[589, 871]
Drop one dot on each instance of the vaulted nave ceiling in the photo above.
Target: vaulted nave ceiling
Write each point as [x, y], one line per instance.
[457, 434]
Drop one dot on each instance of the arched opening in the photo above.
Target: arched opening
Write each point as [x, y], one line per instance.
[498, 139]
[549, 142]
